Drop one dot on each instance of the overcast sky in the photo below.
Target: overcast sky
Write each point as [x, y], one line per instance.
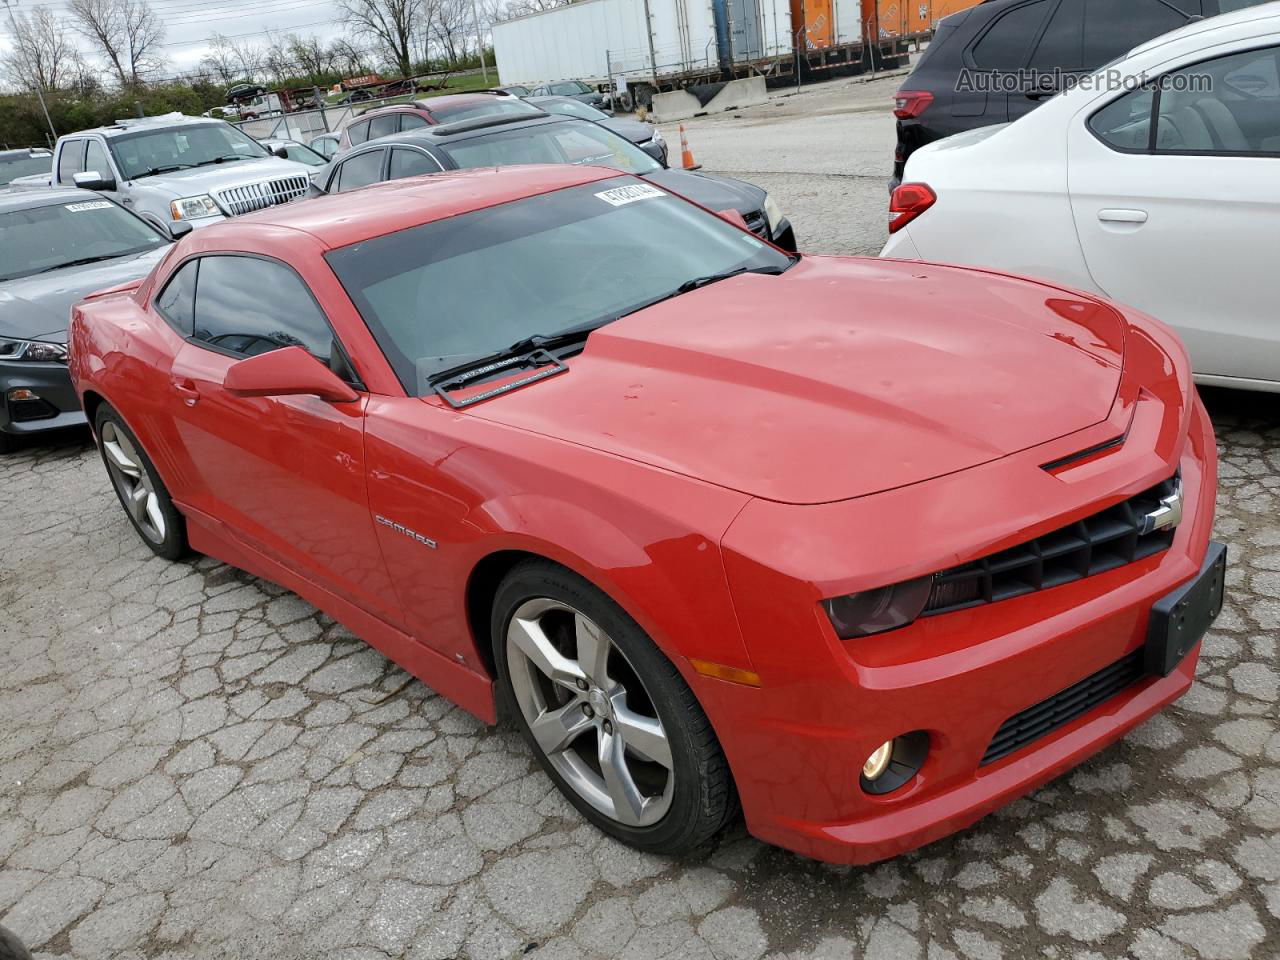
[190, 23]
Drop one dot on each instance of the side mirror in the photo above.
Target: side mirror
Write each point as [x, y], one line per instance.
[179, 229]
[734, 217]
[288, 372]
[607, 111]
[281, 152]
[93, 180]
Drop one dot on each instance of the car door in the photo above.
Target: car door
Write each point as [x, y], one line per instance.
[1175, 195]
[285, 475]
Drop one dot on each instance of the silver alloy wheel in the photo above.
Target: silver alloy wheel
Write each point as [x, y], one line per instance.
[612, 755]
[131, 478]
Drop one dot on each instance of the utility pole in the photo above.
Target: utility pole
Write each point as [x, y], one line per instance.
[475, 15]
[35, 81]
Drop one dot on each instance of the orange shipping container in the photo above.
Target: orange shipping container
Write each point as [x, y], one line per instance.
[819, 24]
[905, 18]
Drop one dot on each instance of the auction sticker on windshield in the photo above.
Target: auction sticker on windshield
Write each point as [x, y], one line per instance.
[88, 205]
[621, 196]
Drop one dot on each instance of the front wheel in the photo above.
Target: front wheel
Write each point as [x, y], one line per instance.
[142, 493]
[607, 714]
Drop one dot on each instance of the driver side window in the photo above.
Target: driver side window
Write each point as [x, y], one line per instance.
[247, 306]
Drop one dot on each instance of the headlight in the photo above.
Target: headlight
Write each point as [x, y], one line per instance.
[875, 611]
[772, 213]
[32, 351]
[193, 208]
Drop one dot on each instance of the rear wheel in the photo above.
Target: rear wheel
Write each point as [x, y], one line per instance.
[607, 714]
[142, 493]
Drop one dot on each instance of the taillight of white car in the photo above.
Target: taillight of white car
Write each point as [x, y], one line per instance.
[907, 202]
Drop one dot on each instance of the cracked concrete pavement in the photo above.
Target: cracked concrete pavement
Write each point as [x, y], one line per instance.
[197, 764]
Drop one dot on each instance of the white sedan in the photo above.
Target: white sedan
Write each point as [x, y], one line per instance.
[1165, 197]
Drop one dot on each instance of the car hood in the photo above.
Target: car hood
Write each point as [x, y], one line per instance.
[837, 379]
[39, 307]
[637, 131]
[714, 192]
[198, 180]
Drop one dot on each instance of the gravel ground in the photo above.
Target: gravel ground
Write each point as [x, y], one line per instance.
[196, 764]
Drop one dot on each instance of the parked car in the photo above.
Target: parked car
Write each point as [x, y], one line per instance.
[175, 168]
[870, 547]
[644, 135]
[1162, 197]
[56, 247]
[326, 144]
[355, 96]
[570, 88]
[451, 108]
[295, 151]
[507, 140]
[948, 91]
[24, 163]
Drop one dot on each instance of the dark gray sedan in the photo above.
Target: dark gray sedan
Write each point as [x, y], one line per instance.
[57, 247]
[499, 141]
[644, 135]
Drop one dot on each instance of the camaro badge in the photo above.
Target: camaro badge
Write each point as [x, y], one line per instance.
[401, 528]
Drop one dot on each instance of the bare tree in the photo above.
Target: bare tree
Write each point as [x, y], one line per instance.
[126, 33]
[349, 59]
[43, 57]
[220, 62]
[393, 25]
[518, 8]
[310, 56]
[454, 29]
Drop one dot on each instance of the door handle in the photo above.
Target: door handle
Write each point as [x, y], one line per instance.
[186, 389]
[1122, 216]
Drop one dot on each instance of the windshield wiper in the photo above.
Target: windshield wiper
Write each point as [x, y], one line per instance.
[170, 168]
[77, 263]
[227, 159]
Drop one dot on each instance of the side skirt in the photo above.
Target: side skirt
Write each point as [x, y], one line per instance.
[469, 690]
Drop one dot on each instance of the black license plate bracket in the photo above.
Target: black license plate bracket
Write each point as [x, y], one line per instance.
[1180, 620]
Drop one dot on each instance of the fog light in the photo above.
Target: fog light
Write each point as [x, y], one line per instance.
[895, 763]
[878, 762]
[16, 396]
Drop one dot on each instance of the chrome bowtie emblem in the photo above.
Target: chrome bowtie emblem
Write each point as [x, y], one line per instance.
[1165, 516]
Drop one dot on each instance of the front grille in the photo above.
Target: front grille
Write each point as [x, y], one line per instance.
[1094, 545]
[1048, 715]
[758, 223]
[258, 196]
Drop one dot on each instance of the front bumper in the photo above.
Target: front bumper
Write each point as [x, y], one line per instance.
[797, 743]
[58, 405]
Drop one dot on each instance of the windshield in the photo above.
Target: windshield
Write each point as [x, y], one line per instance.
[24, 166]
[303, 154]
[573, 108]
[437, 295]
[179, 148]
[488, 107]
[568, 141]
[569, 88]
[40, 239]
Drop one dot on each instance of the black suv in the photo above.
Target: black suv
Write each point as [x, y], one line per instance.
[950, 89]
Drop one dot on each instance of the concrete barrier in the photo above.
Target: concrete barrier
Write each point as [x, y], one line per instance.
[681, 104]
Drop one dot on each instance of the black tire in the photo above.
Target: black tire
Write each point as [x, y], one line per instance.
[171, 544]
[11, 948]
[703, 798]
[6, 443]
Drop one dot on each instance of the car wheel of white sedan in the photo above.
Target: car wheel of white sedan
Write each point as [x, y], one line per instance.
[607, 714]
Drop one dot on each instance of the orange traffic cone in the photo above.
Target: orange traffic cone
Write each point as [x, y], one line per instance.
[686, 155]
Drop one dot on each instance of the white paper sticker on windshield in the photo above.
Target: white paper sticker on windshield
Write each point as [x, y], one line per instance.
[88, 205]
[620, 196]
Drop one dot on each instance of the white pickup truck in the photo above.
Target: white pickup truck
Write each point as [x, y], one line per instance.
[175, 168]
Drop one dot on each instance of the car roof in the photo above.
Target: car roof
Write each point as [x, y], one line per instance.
[26, 199]
[472, 127]
[339, 220]
[136, 124]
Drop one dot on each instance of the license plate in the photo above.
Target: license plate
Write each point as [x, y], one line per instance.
[1181, 619]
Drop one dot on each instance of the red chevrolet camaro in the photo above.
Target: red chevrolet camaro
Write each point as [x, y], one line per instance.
[870, 548]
